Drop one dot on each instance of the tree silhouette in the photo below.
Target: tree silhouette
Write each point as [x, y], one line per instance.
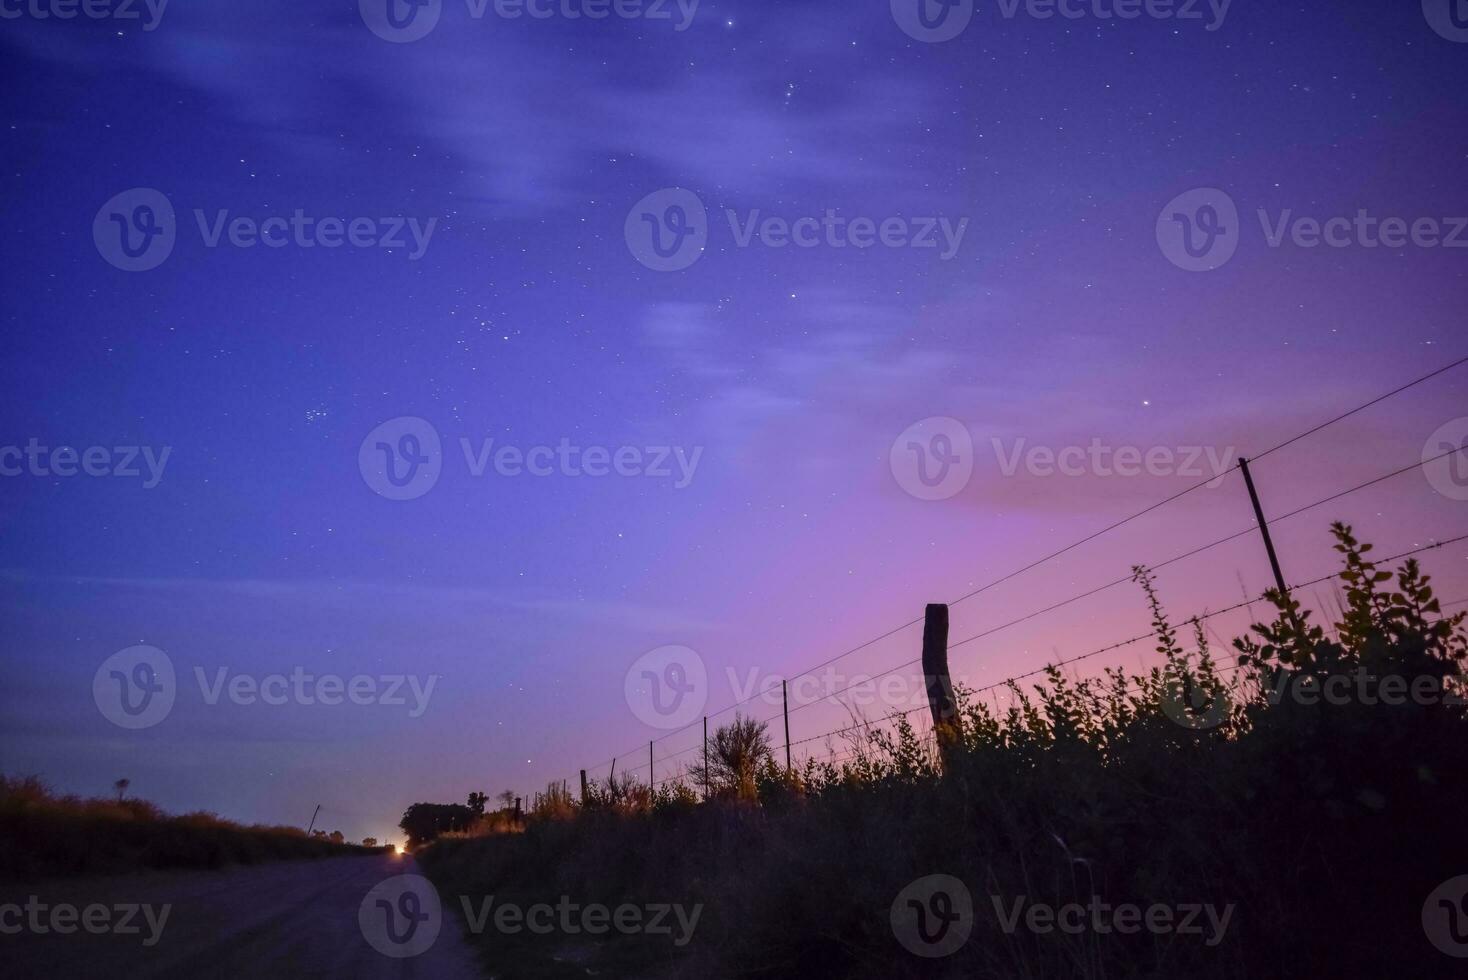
[736, 754]
[476, 803]
[121, 786]
[422, 822]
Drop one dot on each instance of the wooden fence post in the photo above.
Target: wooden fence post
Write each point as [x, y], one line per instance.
[785, 697]
[1279, 580]
[517, 809]
[583, 787]
[935, 675]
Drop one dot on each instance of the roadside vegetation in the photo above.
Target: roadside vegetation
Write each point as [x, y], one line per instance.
[1325, 822]
[46, 834]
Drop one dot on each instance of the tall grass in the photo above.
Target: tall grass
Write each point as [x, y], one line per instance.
[1326, 825]
[47, 834]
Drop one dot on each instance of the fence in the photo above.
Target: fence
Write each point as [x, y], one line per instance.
[928, 691]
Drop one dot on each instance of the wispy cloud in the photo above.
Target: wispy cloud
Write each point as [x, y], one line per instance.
[334, 593]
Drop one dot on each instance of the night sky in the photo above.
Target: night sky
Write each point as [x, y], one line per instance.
[771, 379]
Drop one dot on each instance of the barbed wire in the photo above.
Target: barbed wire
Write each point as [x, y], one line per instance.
[1079, 543]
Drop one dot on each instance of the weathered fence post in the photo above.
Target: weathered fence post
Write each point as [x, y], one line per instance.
[1263, 528]
[785, 697]
[935, 674]
[583, 787]
[517, 810]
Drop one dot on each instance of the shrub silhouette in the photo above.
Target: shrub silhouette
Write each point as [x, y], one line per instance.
[49, 834]
[1326, 822]
[424, 822]
[737, 755]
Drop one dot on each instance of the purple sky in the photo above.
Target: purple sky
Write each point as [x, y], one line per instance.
[1057, 321]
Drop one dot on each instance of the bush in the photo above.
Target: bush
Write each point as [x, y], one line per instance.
[47, 834]
[1323, 824]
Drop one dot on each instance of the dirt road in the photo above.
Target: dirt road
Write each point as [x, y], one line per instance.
[351, 917]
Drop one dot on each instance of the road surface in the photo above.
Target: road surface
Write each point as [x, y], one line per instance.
[276, 921]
